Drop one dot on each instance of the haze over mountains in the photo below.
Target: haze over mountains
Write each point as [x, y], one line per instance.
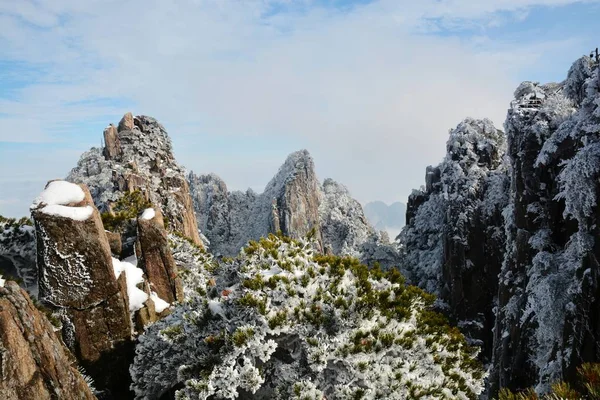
[389, 218]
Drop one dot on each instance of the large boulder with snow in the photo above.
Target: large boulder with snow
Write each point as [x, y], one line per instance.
[77, 281]
[35, 363]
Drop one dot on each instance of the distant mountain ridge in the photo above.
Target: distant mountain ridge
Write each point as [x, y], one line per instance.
[390, 218]
[294, 203]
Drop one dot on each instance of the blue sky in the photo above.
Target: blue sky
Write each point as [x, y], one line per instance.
[370, 88]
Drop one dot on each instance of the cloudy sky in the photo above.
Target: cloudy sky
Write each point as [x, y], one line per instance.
[370, 88]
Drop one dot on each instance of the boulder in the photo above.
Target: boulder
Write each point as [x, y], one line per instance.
[112, 144]
[155, 258]
[126, 123]
[35, 362]
[77, 280]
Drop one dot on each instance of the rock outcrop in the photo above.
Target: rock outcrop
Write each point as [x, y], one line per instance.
[35, 363]
[294, 203]
[546, 322]
[77, 281]
[138, 155]
[155, 258]
[453, 242]
[545, 248]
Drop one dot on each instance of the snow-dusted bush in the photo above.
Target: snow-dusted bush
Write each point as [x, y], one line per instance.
[280, 321]
[18, 247]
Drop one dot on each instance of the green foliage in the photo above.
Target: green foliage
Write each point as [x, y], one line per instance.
[588, 387]
[52, 317]
[13, 222]
[124, 210]
[241, 336]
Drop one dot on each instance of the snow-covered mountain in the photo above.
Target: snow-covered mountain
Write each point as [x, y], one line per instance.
[506, 232]
[294, 202]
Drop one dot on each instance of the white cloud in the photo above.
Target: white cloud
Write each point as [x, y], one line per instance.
[363, 90]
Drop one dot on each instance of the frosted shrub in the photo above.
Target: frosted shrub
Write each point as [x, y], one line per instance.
[281, 322]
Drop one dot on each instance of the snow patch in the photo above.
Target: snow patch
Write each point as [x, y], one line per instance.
[134, 276]
[74, 213]
[159, 304]
[2, 281]
[55, 198]
[148, 214]
[61, 193]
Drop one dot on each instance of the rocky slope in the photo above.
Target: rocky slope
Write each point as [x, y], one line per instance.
[294, 202]
[35, 363]
[138, 155]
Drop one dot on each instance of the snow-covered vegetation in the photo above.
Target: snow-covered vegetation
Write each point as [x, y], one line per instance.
[18, 252]
[280, 321]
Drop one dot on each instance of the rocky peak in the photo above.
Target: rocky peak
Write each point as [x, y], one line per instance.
[453, 241]
[35, 363]
[476, 142]
[112, 144]
[138, 156]
[294, 202]
[548, 283]
[295, 196]
[127, 123]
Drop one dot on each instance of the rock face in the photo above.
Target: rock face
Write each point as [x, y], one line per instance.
[546, 323]
[77, 281]
[454, 238]
[545, 247]
[35, 363]
[294, 202]
[155, 257]
[138, 155]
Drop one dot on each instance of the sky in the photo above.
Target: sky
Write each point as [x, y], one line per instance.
[369, 87]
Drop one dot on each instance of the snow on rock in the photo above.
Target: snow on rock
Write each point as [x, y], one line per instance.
[55, 198]
[61, 193]
[74, 213]
[135, 276]
[148, 214]
[2, 281]
[159, 304]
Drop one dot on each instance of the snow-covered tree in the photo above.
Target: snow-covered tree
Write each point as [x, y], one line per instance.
[280, 321]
